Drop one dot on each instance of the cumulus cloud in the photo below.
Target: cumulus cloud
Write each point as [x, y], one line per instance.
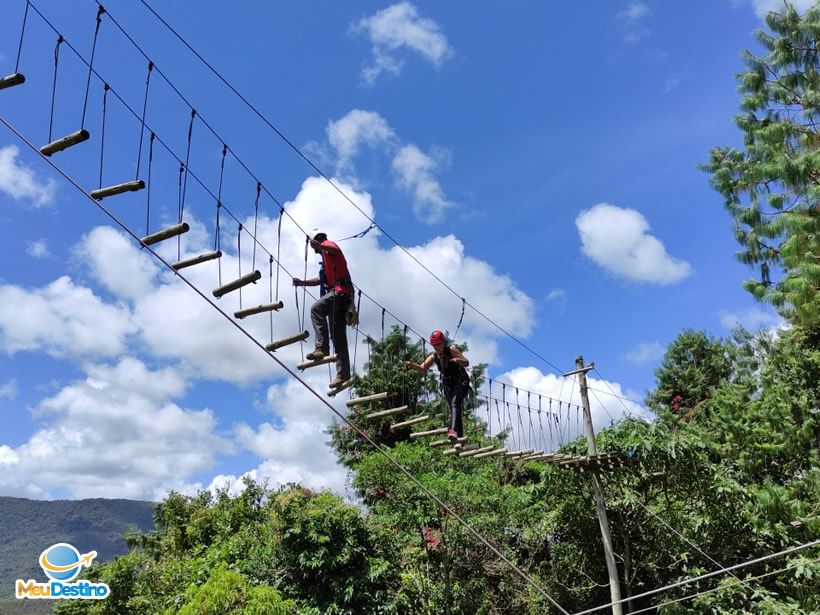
[414, 170]
[618, 240]
[20, 182]
[396, 28]
[632, 20]
[63, 319]
[358, 127]
[117, 433]
[750, 318]
[37, 248]
[556, 424]
[646, 352]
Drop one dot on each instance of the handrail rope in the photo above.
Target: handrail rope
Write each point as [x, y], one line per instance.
[20, 45]
[100, 11]
[148, 183]
[294, 375]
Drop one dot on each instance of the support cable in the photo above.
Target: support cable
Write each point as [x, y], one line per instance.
[102, 133]
[100, 11]
[60, 41]
[142, 121]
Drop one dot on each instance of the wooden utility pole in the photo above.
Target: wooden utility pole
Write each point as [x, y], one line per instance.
[597, 488]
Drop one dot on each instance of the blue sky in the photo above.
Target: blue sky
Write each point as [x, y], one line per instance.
[539, 158]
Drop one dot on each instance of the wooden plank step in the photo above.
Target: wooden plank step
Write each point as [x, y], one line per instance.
[430, 432]
[483, 449]
[390, 412]
[363, 400]
[307, 364]
[414, 421]
[447, 442]
[461, 448]
[493, 453]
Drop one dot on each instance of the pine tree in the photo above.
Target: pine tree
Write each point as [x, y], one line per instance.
[771, 186]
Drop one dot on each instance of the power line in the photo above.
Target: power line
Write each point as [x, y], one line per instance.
[293, 374]
[705, 576]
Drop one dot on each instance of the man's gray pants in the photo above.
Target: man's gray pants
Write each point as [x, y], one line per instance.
[332, 306]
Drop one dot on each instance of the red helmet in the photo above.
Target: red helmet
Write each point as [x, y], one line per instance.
[436, 337]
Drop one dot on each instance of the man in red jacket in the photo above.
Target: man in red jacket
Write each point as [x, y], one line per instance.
[336, 290]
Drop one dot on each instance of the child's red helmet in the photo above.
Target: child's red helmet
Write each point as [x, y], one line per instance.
[436, 337]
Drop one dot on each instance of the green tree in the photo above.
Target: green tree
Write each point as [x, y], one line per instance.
[771, 187]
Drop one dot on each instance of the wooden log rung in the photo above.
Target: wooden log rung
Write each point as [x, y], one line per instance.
[134, 186]
[520, 453]
[460, 449]
[446, 442]
[430, 432]
[69, 140]
[414, 421]
[248, 278]
[308, 364]
[270, 307]
[390, 412]
[11, 80]
[166, 233]
[333, 391]
[195, 260]
[474, 452]
[495, 453]
[299, 337]
[363, 400]
[532, 455]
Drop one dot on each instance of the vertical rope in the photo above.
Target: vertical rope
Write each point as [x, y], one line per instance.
[542, 439]
[148, 186]
[278, 246]
[530, 436]
[239, 258]
[187, 160]
[100, 11]
[217, 232]
[383, 310]
[520, 424]
[549, 426]
[356, 338]
[270, 293]
[461, 318]
[20, 45]
[182, 170]
[255, 221]
[102, 135]
[60, 41]
[142, 121]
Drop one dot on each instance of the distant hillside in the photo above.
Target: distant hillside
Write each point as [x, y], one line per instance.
[29, 526]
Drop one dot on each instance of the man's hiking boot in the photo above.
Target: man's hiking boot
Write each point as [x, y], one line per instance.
[316, 355]
[339, 381]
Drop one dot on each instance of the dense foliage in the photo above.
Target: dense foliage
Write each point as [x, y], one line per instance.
[771, 186]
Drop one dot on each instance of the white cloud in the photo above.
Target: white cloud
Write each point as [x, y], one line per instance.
[400, 27]
[8, 390]
[750, 318]
[646, 352]
[556, 294]
[63, 319]
[632, 19]
[21, 182]
[764, 7]
[414, 170]
[37, 248]
[618, 240]
[117, 433]
[349, 132]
